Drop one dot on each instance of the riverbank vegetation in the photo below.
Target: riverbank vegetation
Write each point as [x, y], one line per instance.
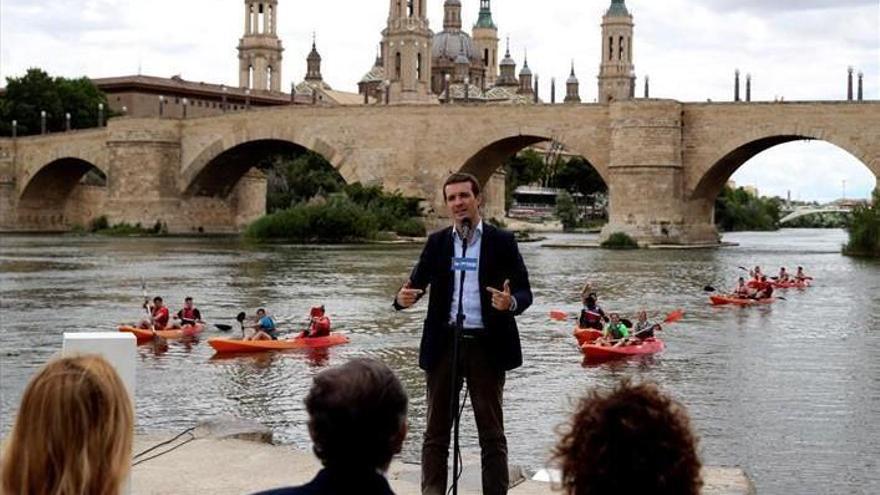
[619, 240]
[864, 230]
[37, 91]
[101, 226]
[738, 209]
[308, 201]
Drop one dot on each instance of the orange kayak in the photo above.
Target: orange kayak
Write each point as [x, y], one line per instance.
[602, 352]
[739, 301]
[177, 333]
[586, 335]
[223, 345]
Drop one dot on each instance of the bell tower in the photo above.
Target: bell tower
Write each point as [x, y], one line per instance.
[486, 42]
[406, 45]
[617, 72]
[259, 50]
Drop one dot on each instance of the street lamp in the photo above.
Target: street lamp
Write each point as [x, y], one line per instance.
[14, 129]
[247, 99]
[223, 104]
[42, 122]
[67, 121]
[387, 92]
[467, 89]
[161, 105]
[185, 103]
[446, 79]
[100, 115]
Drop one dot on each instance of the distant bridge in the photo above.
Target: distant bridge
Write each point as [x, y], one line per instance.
[803, 211]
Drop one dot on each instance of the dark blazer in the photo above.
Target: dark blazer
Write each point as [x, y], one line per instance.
[339, 482]
[500, 260]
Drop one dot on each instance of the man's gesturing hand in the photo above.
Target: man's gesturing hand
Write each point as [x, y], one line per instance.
[407, 296]
[501, 299]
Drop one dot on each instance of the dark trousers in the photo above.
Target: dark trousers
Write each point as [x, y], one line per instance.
[486, 387]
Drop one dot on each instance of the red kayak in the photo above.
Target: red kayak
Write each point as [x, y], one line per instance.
[586, 335]
[175, 333]
[792, 284]
[739, 301]
[602, 352]
[225, 345]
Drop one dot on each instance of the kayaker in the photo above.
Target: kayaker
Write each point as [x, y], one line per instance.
[616, 332]
[189, 315]
[159, 315]
[592, 315]
[265, 327]
[801, 276]
[764, 290]
[643, 328]
[741, 289]
[783, 275]
[756, 277]
[319, 323]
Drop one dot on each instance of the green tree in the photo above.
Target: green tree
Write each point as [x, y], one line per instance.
[300, 178]
[523, 168]
[864, 229]
[567, 211]
[36, 91]
[737, 209]
[577, 175]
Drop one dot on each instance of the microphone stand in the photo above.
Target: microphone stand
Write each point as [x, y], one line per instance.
[457, 332]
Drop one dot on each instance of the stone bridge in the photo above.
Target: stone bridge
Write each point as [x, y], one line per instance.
[664, 161]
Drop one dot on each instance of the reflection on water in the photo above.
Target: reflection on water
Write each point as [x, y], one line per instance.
[790, 391]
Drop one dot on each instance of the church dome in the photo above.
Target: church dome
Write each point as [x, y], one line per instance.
[449, 44]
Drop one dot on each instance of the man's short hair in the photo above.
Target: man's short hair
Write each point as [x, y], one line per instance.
[261, 310]
[356, 413]
[460, 177]
[632, 439]
[157, 299]
[187, 299]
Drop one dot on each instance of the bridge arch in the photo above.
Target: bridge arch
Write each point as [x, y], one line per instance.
[493, 153]
[219, 166]
[736, 153]
[46, 200]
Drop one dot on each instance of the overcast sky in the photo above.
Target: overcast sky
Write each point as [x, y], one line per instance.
[797, 49]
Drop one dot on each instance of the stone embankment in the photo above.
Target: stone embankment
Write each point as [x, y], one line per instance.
[232, 457]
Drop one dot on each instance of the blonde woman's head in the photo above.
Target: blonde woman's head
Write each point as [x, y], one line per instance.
[73, 433]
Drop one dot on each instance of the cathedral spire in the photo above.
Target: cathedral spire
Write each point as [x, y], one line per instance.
[485, 18]
[452, 15]
[313, 61]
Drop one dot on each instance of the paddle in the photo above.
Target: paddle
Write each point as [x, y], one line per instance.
[240, 318]
[558, 315]
[223, 327]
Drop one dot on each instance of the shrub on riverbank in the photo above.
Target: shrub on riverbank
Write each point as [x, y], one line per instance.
[619, 240]
[101, 226]
[738, 209]
[341, 218]
[864, 230]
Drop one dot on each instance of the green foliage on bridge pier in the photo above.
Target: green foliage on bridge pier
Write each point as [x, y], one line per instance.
[37, 91]
[864, 230]
[738, 210]
[308, 201]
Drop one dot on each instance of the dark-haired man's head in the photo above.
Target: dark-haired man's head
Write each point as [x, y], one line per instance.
[461, 192]
[357, 415]
[157, 301]
[632, 439]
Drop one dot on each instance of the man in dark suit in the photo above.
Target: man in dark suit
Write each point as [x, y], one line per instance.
[493, 293]
[357, 421]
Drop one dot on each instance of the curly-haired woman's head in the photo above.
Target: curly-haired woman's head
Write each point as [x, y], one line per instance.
[357, 415]
[632, 439]
[73, 433]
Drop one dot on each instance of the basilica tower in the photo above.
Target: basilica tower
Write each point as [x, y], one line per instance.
[259, 50]
[486, 42]
[406, 46]
[617, 72]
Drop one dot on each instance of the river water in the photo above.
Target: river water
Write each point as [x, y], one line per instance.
[790, 391]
